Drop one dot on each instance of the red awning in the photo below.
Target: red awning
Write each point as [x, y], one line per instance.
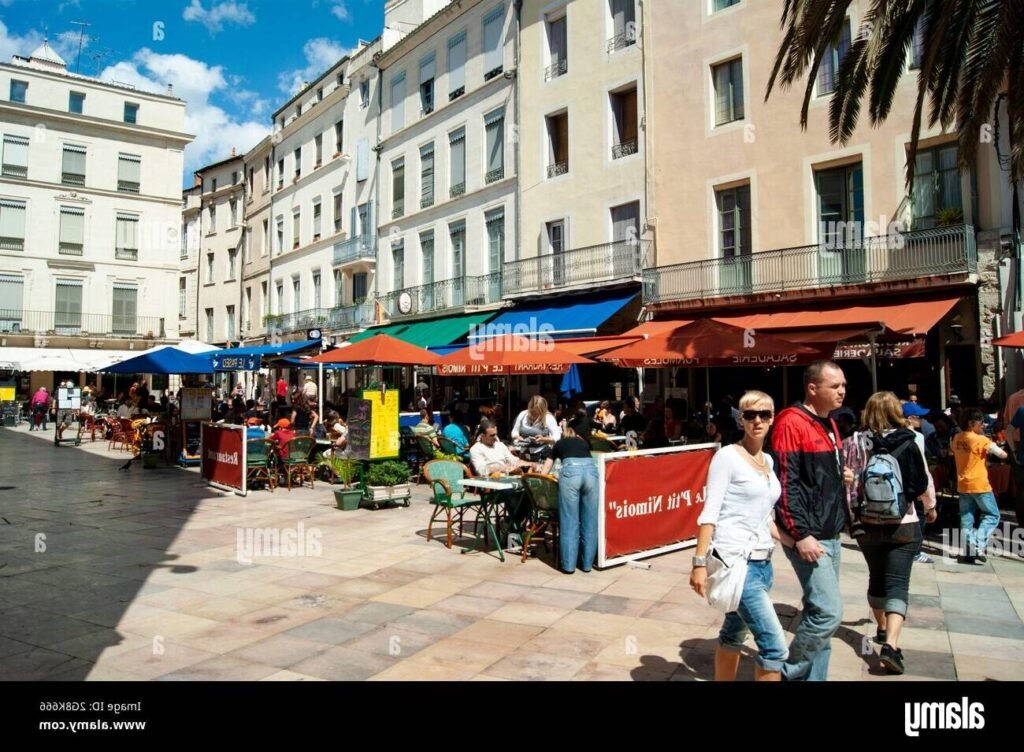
[653, 328]
[1010, 340]
[509, 354]
[589, 345]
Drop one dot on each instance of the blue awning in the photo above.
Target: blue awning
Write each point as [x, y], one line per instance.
[572, 317]
[167, 360]
[305, 364]
[285, 348]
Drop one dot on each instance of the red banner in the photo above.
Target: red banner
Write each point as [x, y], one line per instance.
[651, 501]
[483, 369]
[223, 452]
[914, 348]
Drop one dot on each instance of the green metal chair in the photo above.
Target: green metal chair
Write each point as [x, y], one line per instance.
[445, 478]
[542, 491]
[601, 444]
[450, 447]
[258, 462]
[427, 452]
[297, 462]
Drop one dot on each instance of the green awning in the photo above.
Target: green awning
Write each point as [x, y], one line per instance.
[432, 332]
[390, 329]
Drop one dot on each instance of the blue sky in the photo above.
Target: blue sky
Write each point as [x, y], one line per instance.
[233, 61]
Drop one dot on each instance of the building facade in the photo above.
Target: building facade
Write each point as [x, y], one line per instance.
[191, 244]
[256, 248]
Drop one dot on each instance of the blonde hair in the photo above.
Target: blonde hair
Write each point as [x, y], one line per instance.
[883, 412]
[754, 397]
[537, 408]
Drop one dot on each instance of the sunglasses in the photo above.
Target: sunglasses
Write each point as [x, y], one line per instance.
[764, 415]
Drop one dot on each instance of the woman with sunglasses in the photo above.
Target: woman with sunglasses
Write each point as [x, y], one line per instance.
[741, 493]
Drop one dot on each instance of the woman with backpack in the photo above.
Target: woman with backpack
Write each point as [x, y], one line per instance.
[895, 475]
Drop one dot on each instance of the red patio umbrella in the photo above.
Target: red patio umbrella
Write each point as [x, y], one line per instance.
[706, 343]
[509, 354]
[1016, 339]
[379, 350]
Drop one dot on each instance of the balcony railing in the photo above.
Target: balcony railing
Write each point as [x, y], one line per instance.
[350, 317]
[72, 178]
[493, 73]
[447, 295]
[622, 40]
[398, 210]
[353, 249]
[293, 322]
[459, 189]
[93, 324]
[900, 256]
[622, 260]
[14, 171]
[126, 254]
[129, 186]
[625, 149]
[12, 244]
[556, 69]
[494, 175]
[70, 249]
[557, 168]
[427, 200]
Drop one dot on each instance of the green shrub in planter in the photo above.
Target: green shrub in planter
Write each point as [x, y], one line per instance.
[390, 473]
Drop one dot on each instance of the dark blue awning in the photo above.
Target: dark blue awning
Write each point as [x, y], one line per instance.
[571, 317]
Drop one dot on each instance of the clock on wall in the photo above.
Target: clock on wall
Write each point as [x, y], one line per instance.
[404, 303]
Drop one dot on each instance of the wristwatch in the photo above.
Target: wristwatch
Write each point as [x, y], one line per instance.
[700, 561]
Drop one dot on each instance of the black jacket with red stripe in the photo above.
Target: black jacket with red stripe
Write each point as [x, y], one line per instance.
[809, 466]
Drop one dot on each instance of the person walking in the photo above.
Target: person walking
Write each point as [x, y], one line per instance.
[40, 409]
[742, 490]
[578, 501]
[977, 502]
[812, 511]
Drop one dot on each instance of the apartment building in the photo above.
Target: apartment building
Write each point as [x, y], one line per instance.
[191, 244]
[257, 248]
[90, 202]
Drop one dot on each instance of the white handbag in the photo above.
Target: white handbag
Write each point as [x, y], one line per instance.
[726, 579]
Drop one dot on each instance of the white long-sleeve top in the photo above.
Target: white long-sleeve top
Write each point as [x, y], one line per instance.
[738, 501]
[549, 422]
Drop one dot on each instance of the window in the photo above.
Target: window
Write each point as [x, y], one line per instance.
[339, 133]
[359, 287]
[364, 219]
[558, 47]
[229, 322]
[495, 222]
[129, 173]
[72, 170]
[234, 177]
[12, 225]
[247, 310]
[728, 78]
[625, 236]
[233, 211]
[264, 299]
[209, 325]
[624, 121]
[12, 306]
[936, 193]
[318, 145]
[494, 127]
[131, 112]
[493, 23]
[280, 235]
[398, 102]
[296, 294]
[18, 91]
[232, 264]
[397, 188]
[917, 51]
[296, 221]
[298, 111]
[280, 174]
[15, 157]
[427, 257]
[457, 238]
[72, 230]
[250, 182]
[184, 241]
[316, 289]
[298, 162]
[723, 4]
[457, 66]
[362, 160]
[556, 247]
[427, 175]
[67, 309]
[266, 238]
[364, 94]
[316, 220]
[209, 268]
[182, 297]
[734, 221]
[126, 301]
[213, 185]
[126, 243]
[213, 220]
[266, 174]
[280, 298]
[320, 94]
[623, 24]
[76, 102]
[337, 212]
[832, 57]
[428, 70]
[558, 144]
[398, 265]
[457, 147]
[339, 289]
[840, 205]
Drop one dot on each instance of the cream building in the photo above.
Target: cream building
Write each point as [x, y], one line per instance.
[256, 250]
[191, 244]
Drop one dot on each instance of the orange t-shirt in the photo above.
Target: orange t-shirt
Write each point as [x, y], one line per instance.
[970, 450]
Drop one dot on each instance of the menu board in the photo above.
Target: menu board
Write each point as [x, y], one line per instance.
[384, 442]
[69, 399]
[196, 404]
[360, 416]
[191, 439]
[10, 413]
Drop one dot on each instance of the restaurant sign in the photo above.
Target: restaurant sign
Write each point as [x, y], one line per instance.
[913, 348]
[223, 456]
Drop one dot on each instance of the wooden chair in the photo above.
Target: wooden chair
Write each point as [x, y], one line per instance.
[445, 478]
[542, 491]
[258, 462]
[123, 434]
[297, 462]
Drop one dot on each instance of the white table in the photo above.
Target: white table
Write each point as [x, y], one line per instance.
[490, 498]
[511, 484]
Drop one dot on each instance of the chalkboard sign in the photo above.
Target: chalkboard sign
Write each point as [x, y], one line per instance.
[192, 439]
[10, 413]
[360, 416]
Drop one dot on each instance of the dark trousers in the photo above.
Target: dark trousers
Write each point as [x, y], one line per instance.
[889, 551]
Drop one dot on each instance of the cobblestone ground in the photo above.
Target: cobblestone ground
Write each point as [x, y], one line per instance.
[137, 575]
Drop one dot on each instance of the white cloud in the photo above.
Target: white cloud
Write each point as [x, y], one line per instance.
[219, 14]
[216, 132]
[321, 53]
[340, 11]
[12, 44]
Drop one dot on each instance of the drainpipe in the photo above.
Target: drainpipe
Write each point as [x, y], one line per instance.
[516, 152]
[647, 126]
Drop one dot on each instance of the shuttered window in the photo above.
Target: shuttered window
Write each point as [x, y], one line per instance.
[126, 299]
[12, 225]
[73, 165]
[129, 173]
[126, 245]
[72, 230]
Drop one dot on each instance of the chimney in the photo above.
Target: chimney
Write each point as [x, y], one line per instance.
[233, 151]
[170, 90]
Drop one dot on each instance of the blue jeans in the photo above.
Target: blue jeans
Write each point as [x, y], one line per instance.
[811, 648]
[577, 513]
[971, 507]
[757, 614]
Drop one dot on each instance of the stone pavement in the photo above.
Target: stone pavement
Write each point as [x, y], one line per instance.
[137, 575]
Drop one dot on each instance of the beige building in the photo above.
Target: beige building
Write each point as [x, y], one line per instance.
[757, 218]
[191, 244]
[256, 250]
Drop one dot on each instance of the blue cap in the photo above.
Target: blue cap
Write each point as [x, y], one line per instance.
[914, 410]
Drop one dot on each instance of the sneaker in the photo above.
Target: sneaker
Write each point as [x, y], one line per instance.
[980, 559]
[923, 558]
[962, 559]
[880, 636]
[891, 659]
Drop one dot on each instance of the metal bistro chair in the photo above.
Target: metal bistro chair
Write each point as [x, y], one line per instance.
[445, 478]
[258, 462]
[601, 444]
[122, 433]
[427, 452]
[297, 462]
[542, 491]
[450, 447]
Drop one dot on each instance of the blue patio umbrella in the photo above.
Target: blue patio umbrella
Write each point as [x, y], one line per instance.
[571, 384]
[167, 360]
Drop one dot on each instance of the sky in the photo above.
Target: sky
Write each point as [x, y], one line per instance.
[233, 61]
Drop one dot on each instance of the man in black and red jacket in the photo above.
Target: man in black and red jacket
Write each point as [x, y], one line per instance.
[812, 512]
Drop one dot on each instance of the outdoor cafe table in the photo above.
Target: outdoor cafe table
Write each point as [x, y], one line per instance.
[491, 499]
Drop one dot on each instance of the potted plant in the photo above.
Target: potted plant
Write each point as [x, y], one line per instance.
[388, 481]
[949, 216]
[344, 469]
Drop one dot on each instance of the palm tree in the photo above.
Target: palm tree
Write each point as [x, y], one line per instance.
[971, 58]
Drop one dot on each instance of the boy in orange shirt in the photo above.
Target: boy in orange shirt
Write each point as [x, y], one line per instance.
[971, 449]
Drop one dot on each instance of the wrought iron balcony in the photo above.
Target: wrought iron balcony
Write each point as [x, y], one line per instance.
[622, 40]
[427, 200]
[72, 178]
[398, 208]
[126, 254]
[129, 186]
[558, 168]
[354, 249]
[609, 262]
[72, 324]
[12, 244]
[350, 317]
[493, 73]
[557, 69]
[495, 175]
[887, 258]
[293, 322]
[451, 294]
[459, 189]
[69, 249]
[625, 149]
[14, 171]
